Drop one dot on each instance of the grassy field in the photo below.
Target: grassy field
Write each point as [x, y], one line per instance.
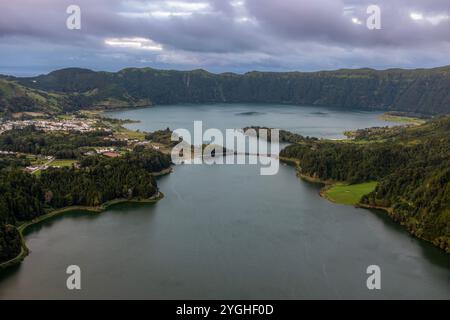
[30, 114]
[349, 194]
[402, 119]
[62, 163]
[65, 116]
[130, 134]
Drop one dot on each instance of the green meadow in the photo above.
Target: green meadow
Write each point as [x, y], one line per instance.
[349, 194]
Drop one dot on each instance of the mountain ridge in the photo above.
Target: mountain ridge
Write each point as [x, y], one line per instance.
[425, 91]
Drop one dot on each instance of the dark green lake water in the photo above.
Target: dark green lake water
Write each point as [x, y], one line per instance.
[227, 232]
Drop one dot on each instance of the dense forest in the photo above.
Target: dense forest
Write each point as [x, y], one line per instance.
[411, 164]
[13, 161]
[24, 196]
[424, 91]
[17, 98]
[162, 136]
[62, 145]
[283, 135]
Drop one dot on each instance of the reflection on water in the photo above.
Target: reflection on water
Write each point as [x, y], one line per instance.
[226, 232]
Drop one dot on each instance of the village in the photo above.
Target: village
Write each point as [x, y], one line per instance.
[81, 125]
[73, 124]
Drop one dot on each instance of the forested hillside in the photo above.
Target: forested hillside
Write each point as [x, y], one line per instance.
[17, 98]
[24, 196]
[411, 165]
[63, 145]
[425, 91]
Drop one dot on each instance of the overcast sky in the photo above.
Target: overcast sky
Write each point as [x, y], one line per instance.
[222, 35]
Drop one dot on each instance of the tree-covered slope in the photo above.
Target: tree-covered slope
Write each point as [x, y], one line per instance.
[24, 196]
[17, 98]
[420, 91]
[411, 165]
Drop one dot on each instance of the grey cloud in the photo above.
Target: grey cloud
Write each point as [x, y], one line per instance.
[279, 34]
[324, 20]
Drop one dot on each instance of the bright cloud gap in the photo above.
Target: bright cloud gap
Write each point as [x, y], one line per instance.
[166, 9]
[134, 43]
[433, 19]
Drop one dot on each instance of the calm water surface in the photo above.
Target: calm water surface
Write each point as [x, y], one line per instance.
[309, 121]
[227, 232]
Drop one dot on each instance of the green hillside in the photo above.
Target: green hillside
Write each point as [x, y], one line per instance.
[425, 91]
[17, 98]
[411, 165]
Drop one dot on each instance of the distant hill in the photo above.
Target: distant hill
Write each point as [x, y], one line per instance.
[15, 98]
[425, 91]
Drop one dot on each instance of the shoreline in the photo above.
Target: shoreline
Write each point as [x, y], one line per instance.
[402, 118]
[296, 164]
[163, 172]
[390, 211]
[24, 251]
[323, 194]
[327, 184]
[102, 109]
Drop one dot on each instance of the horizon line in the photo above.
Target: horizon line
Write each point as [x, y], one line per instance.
[226, 72]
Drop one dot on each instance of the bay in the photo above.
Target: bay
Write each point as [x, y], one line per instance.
[226, 232]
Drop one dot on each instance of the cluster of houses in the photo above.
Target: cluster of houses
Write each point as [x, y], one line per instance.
[85, 125]
[35, 168]
[79, 125]
[134, 142]
[6, 152]
[109, 152]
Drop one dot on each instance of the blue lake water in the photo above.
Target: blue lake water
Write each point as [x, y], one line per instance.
[226, 232]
